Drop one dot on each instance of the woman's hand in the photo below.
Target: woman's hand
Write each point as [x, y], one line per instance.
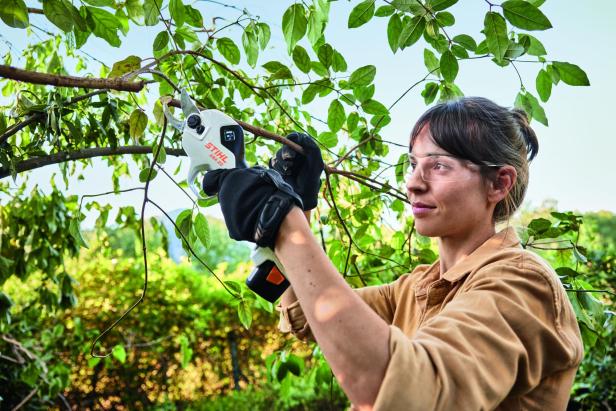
[301, 171]
[254, 201]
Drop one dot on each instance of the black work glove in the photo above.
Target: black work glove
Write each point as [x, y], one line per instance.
[254, 201]
[302, 172]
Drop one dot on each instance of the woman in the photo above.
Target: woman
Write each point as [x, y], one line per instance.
[487, 326]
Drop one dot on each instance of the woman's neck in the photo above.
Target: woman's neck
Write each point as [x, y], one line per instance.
[453, 249]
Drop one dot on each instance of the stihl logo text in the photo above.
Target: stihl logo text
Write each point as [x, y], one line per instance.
[216, 154]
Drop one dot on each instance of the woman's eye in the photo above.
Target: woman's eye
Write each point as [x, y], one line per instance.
[440, 166]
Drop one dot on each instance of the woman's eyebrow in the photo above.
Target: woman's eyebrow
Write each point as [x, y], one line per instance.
[431, 154]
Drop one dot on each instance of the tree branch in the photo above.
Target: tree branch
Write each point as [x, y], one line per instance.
[61, 157]
[57, 80]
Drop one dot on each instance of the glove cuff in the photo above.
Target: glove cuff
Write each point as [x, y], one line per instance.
[270, 219]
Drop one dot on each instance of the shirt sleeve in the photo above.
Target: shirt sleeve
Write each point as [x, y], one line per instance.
[378, 297]
[498, 337]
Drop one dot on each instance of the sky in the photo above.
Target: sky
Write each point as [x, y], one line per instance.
[575, 165]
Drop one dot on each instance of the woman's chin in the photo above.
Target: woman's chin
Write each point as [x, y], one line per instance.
[426, 230]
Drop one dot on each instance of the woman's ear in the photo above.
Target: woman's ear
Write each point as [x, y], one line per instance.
[502, 183]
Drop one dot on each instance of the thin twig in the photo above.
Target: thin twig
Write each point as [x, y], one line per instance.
[348, 233]
[143, 241]
[25, 400]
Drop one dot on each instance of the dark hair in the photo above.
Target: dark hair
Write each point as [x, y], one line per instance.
[481, 131]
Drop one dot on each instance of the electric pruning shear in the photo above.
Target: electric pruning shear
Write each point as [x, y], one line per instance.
[213, 140]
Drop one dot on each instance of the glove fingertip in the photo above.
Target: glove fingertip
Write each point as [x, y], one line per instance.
[213, 180]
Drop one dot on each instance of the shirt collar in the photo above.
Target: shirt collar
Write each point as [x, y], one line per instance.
[505, 238]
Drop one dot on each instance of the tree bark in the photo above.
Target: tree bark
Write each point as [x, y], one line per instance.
[62, 157]
[57, 80]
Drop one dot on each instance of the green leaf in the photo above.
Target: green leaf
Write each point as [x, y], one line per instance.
[544, 85]
[143, 174]
[294, 25]
[553, 72]
[193, 17]
[134, 9]
[74, 231]
[362, 76]
[410, 6]
[438, 5]
[361, 14]
[352, 121]
[264, 34]
[250, 42]
[394, 28]
[465, 41]
[449, 66]
[537, 111]
[431, 62]
[161, 158]
[186, 33]
[364, 93]
[137, 123]
[339, 64]
[385, 11]
[119, 353]
[571, 74]
[129, 64]
[445, 19]
[317, 21]
[326, 55]
[101, 3]
[540, 225]
[536, 47]
[176, 8]
[160, 41]
[274, 66]
[301, 59]
[14, 13]
[411, 31]
[228, 49]
[244, 313]
[374, 107]
[514, 50]
[335, 116]
[202, 229]
[459, 51]
[234, 286]
[310, 93]
[185, 351]
[429, 93]
[328, 139]
[59, 13]
[495, 30]
[105, 25]
[579, 256]
[319, 68]
[524, 15]
[151, 11]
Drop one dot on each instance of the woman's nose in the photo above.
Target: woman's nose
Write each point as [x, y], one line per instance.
[415, 182]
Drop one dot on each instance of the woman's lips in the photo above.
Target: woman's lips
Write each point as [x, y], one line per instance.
[420, 209]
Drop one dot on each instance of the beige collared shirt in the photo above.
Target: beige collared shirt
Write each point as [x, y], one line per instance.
[496, 331]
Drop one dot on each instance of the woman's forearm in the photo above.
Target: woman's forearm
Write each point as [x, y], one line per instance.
[353, 338]
[289, 297]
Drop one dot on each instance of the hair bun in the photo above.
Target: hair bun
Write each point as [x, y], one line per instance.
[530, 138]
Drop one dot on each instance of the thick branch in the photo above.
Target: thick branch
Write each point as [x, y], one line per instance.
[34, 77]
[37, 162]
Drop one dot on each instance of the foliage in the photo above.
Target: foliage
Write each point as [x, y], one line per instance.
[176, 344]
[41, 235]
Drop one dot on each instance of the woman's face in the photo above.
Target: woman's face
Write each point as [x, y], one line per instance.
[447, 205]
